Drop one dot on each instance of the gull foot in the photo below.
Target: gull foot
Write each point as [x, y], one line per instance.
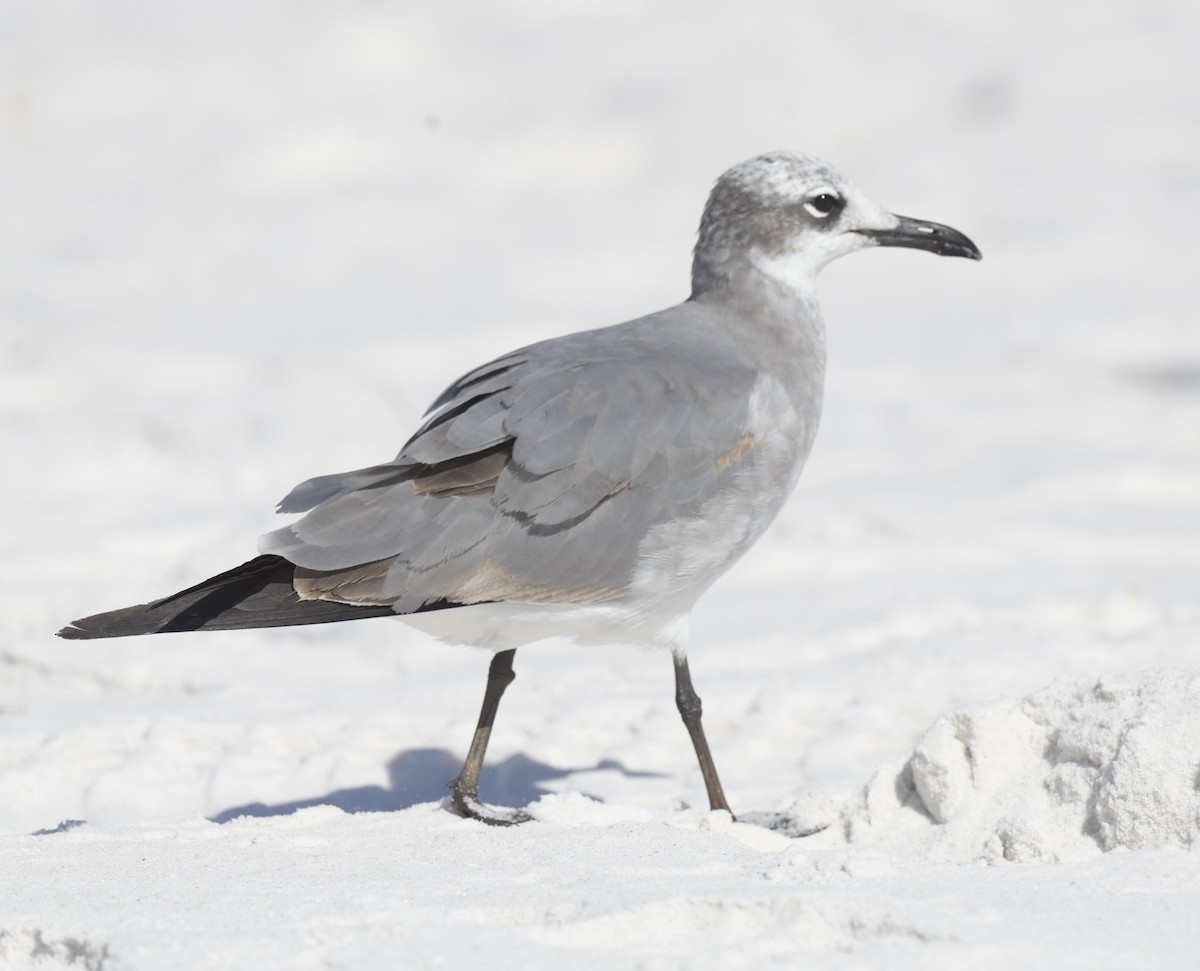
[469, 806]
[785, 824]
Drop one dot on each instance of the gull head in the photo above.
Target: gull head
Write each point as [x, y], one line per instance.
[784, 216]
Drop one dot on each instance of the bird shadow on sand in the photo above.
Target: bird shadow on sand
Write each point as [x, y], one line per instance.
[421, 775]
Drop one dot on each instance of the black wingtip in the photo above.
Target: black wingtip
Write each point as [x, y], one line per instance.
[125, 622]
[256, 594]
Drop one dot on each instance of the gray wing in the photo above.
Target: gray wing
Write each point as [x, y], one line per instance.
[533, 479]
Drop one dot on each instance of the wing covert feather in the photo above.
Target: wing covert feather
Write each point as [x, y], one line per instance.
[590, 442]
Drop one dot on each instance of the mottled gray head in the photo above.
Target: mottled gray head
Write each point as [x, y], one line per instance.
[785, 216]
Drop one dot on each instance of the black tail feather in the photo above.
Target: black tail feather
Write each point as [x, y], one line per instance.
[256, 594]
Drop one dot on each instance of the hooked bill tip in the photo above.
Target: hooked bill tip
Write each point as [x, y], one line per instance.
[923, 234]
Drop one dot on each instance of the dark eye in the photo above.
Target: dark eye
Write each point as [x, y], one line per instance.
[823, 204]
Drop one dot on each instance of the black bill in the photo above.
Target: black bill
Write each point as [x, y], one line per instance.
[921, 234]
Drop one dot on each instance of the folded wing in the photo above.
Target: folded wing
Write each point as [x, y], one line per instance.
[533, 479]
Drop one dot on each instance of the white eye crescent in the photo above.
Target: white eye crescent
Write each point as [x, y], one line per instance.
[823, 203]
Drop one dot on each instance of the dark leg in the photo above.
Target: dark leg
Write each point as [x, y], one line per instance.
[466, 787]
[688, 703]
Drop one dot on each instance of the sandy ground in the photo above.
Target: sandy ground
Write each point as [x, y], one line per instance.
[246, 244]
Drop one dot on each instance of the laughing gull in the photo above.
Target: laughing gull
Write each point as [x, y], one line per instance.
[591, 486]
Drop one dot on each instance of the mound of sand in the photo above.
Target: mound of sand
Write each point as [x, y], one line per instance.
[1068, 773]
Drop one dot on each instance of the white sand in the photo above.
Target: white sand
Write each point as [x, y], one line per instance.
[246, 244]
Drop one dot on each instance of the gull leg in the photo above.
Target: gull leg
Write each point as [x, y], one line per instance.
[465, 799]
[688, 703]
